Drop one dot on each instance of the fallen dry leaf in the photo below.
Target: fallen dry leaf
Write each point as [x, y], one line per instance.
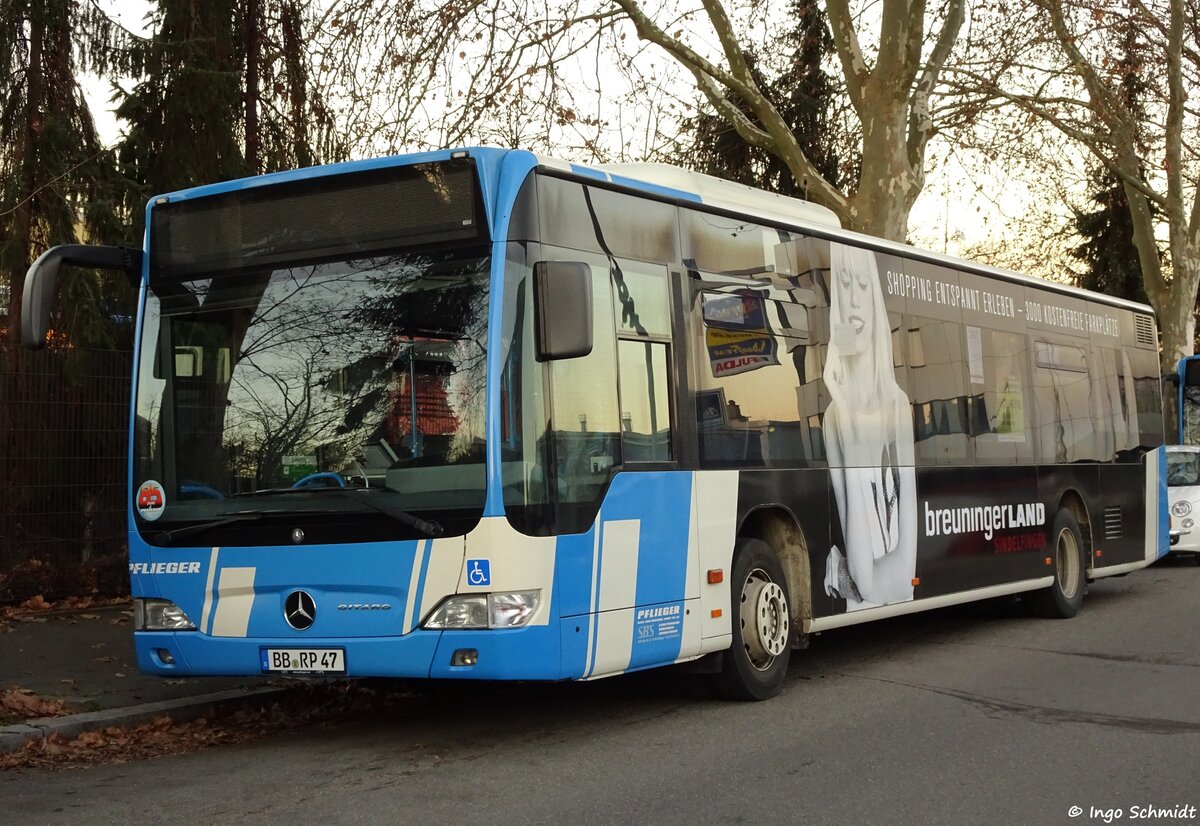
[89, 738]
[302, 706]
[24, 703]
[37, 603]
[40, 605]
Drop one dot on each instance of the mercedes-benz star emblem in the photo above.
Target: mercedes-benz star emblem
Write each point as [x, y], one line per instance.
[300, 610]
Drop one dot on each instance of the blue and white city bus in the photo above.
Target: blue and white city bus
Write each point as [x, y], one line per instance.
[484, 414]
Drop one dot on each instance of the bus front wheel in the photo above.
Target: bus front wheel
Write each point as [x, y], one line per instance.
[754, 666]
[1064, 597]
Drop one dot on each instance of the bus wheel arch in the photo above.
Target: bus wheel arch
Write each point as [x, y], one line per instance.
[1066, 551]
[1072, 501]
[779, 529]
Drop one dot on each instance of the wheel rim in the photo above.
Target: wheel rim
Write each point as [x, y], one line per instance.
[1067, 563]
[765, 620]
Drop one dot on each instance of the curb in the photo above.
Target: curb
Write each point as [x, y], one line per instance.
[14, 737]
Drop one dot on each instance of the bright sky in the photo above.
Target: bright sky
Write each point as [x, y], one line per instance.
[132, 15]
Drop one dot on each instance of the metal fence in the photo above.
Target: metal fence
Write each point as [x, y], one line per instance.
[64, 417]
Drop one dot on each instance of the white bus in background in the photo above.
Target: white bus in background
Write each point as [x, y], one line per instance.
[1183, 490]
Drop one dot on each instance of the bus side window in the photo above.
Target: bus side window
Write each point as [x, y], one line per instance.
[1115, 422]
[641, 305]
[1147, 393]
[645, 401]
[753, 384]
[591, 219]
[1004, 432]
[1062, 390]
[937, 390]
[584, 408]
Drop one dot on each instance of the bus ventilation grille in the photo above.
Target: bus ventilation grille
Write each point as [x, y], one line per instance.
[1144, 329]
[1114, 527]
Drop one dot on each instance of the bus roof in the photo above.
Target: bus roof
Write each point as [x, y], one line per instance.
[678, 183]
[706, 189]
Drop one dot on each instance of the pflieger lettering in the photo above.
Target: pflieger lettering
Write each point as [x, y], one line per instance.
[164, 567]
[657, 613]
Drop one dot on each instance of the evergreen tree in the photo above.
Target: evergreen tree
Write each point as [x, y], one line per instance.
[183, 116]
[224, 93]
[56, 180]
[801, 94]
[1108, 247]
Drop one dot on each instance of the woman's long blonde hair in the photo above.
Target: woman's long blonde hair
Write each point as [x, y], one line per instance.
[848, 389]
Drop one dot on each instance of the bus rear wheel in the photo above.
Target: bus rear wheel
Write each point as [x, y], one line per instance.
[1064, 597]
[754, 666]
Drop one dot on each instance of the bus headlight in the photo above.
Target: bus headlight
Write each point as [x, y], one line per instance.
[160, 615]
[510, 609]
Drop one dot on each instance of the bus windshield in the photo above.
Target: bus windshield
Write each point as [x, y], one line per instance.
[364, 375]
[1183, 468]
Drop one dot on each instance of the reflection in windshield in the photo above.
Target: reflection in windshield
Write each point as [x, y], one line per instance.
[359, 374]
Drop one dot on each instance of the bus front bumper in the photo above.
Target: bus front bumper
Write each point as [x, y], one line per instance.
[531, 653]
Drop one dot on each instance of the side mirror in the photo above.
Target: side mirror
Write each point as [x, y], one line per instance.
[41, 280]
[562, 309]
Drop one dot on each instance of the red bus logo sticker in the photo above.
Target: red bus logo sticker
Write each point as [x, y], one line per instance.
[151, 499]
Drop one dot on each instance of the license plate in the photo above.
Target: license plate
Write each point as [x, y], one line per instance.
[303, 660]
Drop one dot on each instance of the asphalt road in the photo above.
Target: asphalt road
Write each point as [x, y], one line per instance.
[978, 714]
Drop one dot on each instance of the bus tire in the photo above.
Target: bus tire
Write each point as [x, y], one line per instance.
[755, 664]
[1064, 597]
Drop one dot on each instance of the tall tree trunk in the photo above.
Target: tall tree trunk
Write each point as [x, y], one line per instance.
[887, 187]
[23, 216]
[251, 92]
[293, 56]
[1174, 301]
[1177, 330]
[14, 424]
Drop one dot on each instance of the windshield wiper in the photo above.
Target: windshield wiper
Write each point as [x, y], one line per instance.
[268, 492]
[229, 518]
[426, 526]
[201, 527]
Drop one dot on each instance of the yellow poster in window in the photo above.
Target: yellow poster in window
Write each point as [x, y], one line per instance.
[1010, 412]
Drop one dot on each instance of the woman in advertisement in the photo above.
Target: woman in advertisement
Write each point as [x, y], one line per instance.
[869, 441]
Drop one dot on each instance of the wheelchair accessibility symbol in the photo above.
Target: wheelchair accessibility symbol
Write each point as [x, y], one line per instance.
[479, 572]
